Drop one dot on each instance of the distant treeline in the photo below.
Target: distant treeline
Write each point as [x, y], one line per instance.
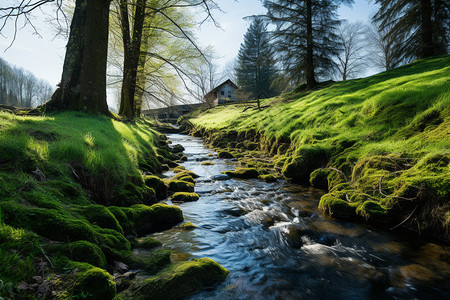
[21, 88]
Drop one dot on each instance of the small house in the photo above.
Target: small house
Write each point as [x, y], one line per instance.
[222, 94]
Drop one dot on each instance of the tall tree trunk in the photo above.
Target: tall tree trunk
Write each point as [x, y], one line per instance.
[83, 82]
[426, 47]
[132, 45]
[310, 78]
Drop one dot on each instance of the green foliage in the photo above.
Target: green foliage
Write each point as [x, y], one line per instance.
[256, 63]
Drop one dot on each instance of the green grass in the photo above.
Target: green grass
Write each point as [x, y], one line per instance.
[386, 126]
[58, 174]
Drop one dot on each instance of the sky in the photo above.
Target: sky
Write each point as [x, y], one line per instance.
[43, 55]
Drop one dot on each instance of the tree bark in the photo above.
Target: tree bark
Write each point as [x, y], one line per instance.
[83, 82]
[427, 48]
[310, 78]
[132, 51]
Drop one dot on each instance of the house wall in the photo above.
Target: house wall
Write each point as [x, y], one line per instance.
[226, 93]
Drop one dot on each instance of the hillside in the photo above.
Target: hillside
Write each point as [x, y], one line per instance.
[76, 198]
[379, 145]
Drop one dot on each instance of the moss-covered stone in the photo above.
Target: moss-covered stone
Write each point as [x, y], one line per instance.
[334, 205]
[319, 178]
[180, 186]
[373, 212]
[306, 160]
[243, 173]
[95, 284]
[181, 280]
[207, 163]
[184, 173]
[80, 251]
[148, 243]
[157, 184]
[184, 197]
[225, 155]
[184, 176]
[187, 226]
[179, 169]
[155, 218]
[101, 216]
[151, 262]
[268, 178]
[131, 194]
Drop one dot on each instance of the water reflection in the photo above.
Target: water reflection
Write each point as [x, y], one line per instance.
[277, 245]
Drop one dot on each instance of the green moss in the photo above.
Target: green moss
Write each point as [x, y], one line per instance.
[184, 173]
[179, 169]
[131, 194]
[373, 212]
[80, 251]
[319, 178]
[184, 197]
[306, 160]
[207, 163]
[334, 205]
[267, 178]
[184, 176]
[101, 216]
[157, 184]
[181, 280]
[155, 218]
[95, 283]
[152, 262]
[225, 155]
[180, 186]
[243, 173]
[148, 243]
[187, 226]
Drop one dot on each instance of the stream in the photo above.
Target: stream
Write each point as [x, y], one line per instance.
[277, 244]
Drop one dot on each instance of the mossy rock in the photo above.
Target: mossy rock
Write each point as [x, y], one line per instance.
[180, 186]
[185, 173]
[373, 212]
[95, 284]
[184, 197]
[148, 243]
[101, 216]
[333, 205]
[225, 155]
[268, 178]
[319, 178]
[177, 148]
[179, 169]
[187, 226]
[152, 262]
[183, 158]
[156, 184]
[207, 163]
[179, 281]
[306, 160]
[126, 223]
[243, 173]
[131, 194]
[155, 218]
[80, 251]
[184, 176]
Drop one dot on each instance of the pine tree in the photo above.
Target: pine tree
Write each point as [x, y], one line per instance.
[256, 64]
[306, 36]
[422, 25]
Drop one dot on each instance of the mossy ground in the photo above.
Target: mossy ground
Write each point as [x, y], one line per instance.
[71, 189]
[381, 142]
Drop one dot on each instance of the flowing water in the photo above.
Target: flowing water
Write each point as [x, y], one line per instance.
[277, 245]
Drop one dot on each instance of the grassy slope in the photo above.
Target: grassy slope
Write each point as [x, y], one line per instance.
[88, 161]
[389, 134]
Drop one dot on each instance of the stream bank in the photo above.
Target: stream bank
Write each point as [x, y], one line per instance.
[277, 244]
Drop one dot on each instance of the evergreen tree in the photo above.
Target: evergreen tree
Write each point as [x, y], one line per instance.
[306, 36]
[255, 69]
[423, 26]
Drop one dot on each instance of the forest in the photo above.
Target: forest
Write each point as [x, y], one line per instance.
[315, 177]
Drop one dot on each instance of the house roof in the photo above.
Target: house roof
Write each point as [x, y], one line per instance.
[211, 92]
